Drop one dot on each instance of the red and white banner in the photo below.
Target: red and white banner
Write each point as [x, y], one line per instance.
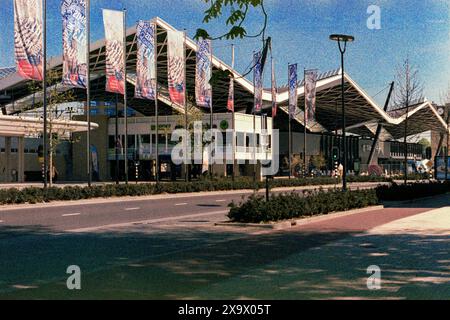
[73, 14]
[258, 82]
[28, 38]
[274, 92]
[230, 102]
[145, 87]
[310, 95]
[176, 66]
[203, 73]
[115, 64]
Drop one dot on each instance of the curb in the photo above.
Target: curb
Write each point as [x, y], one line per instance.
[298, 222]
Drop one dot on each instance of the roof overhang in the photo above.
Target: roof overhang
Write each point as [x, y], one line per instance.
[29, 126]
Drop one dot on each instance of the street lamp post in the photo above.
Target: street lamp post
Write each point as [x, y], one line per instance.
[342, 41]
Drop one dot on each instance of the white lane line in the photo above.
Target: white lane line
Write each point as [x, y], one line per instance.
[132, 209]
[71, 214]
[1, 221]
[152, 221]
[221, 200]
[181, 204]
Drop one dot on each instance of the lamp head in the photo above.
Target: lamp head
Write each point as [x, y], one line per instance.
[342, 38]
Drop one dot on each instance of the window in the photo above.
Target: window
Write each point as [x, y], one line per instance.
[145, 138]
[131, 141]
[111, 142]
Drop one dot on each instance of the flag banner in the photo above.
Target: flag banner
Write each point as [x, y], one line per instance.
[28, 38]
[274, 92]
[176, 66]
[145, 87]
[203, 73]
[115, 64]
[230, 102]
[74, 43]
[257, 82]
[310, 95]
[293, 85]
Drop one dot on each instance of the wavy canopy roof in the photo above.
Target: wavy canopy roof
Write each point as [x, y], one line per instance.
[362, 112]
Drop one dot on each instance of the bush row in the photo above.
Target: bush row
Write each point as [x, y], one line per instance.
[288, 206]
[37, 195]
[294, 205]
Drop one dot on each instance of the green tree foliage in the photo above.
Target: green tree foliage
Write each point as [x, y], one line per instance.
[236, 12]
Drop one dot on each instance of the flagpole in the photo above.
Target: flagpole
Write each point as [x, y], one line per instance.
[254, 123]
[44, 87]
[186, 173]
[155, 36]
[233, 116]
[290, 128]
[304, 124]
[88, 92]
[125, 107]
[211, 121]
[117, 140]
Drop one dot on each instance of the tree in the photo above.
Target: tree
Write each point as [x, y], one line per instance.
[238, 11]
[409, 90]
[57, 95]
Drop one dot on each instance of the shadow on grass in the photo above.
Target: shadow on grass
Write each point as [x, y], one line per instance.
[177, 263]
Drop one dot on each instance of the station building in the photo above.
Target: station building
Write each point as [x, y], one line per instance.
[374, 135]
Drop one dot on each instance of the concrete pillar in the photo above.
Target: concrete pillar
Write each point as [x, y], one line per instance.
[7, 159]
[21, 160]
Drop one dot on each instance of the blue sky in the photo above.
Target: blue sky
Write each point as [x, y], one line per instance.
[419, 29]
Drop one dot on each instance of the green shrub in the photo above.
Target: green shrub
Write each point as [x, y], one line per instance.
[294, 205]
[36, 195]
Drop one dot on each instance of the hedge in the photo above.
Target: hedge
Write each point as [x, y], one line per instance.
[39, 195]
[294, 205]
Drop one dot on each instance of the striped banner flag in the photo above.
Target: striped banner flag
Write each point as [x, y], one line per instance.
[293, 86]
[73, 14]
[28, 39]
[257, 82]
[274, 92]
[115, 64]
[310, 95]
[176, 66]
[145, 87]
[203, 72]
[230, 101]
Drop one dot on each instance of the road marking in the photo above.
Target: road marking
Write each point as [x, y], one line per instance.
[1, 221]
[128, 224]
[181, 204]
[71, 214]
[221, 200]
[132, 209]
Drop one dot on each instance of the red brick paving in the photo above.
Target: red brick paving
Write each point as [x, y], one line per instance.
[361, 222]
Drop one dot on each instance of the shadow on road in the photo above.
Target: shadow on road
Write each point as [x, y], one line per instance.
[182, 263]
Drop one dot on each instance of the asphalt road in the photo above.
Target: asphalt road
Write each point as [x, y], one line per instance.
[325, 259]
[104, 213]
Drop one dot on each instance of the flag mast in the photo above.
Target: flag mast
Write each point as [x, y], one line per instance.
[44, 87]
[155, 37]
[304, 123]
[233, 115]
[125, 107]
[88, 92]
[290, 126]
